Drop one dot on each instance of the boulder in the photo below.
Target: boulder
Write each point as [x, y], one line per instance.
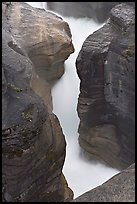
[120, 188]
[44, 36]
[106, 104]
[33, 144]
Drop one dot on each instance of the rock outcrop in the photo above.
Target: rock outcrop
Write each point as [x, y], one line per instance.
[33, 144]
[44, 36]
[106, 106]
[120, 188]
[96, 10]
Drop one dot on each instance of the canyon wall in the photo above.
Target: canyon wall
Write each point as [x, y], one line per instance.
[35, 44]
[106, 106]
[33, 144]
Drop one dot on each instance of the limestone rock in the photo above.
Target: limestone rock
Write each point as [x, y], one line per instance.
[120, 188]
[44, 36]
[106, 106]
[33, 144]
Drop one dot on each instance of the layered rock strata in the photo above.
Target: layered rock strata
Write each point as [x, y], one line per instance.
[33, 144]
[106, 106]
[120, 188]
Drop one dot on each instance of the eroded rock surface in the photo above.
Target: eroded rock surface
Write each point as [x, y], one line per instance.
[44, 36]
[33, 144]
[120, 188]
[106, 107]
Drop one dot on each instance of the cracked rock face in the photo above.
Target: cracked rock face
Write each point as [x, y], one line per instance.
[33, 144]
[106, 105]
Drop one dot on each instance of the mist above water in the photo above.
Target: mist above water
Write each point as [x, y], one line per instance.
[82, 175]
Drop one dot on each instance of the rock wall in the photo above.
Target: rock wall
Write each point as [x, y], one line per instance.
[33, 144]
[120, 188]
[106, 106]
[96, 10]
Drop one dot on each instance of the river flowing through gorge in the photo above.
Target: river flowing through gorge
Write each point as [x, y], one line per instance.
[82, 175]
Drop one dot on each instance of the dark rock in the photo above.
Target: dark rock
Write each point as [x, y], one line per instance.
[33, 144]
[120, 188]
[99, 11]
[106, 105]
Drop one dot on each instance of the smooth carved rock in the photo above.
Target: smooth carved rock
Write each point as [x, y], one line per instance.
[106, 105]
[43, 89]
[33, 144]
[44, 36]
[120, 188]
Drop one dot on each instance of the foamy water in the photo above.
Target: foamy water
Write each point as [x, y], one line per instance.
[81, 174]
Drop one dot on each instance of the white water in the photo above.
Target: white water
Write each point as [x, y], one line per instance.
[80, 174]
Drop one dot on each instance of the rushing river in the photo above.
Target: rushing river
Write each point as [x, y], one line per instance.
[81, 174]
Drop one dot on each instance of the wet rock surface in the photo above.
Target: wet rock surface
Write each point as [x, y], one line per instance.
[106, 106]
[33, 144]
[120, 188]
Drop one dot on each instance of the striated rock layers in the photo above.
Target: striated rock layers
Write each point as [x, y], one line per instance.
[33, 144]
[96, 10]
[106, 106]
[120, 188]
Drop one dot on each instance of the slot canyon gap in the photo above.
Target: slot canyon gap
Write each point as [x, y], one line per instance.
[82, 175]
